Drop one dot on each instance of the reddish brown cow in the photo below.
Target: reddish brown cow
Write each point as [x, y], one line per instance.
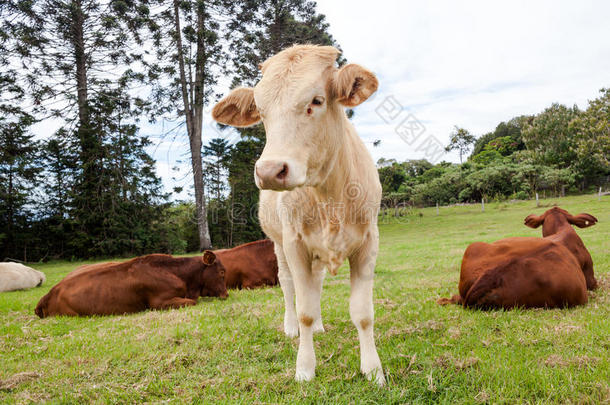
[549, 272]
[148, 282]
[250, 265]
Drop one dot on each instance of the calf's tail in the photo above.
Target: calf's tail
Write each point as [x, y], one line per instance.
[42, 307]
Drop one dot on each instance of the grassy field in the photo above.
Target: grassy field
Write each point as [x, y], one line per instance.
[234, 350]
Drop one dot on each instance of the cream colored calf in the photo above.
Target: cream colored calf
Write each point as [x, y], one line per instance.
[16, 276]
[320, 190]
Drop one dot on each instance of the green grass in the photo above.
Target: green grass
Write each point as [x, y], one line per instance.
[234, 350]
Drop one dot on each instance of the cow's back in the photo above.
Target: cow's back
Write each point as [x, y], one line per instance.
[250, 266]
[526, 272]
[16, 276]
[89, 267]
[110, 290]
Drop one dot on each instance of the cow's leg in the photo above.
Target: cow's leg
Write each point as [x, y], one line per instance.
[362, 267]
[291, 326]
[307, 288]
[167, 293]
[171, 303]
[318, 278]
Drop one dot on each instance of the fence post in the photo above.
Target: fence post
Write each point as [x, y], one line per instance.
[537, 202]
[482, 204]
[437, 208]
[599, 195]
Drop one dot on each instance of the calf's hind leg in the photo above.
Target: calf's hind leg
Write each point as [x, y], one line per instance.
[362, 267]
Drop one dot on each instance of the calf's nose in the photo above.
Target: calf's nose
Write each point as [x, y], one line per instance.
[272, 174]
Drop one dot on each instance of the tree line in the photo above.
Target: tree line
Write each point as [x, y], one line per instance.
[560, 150]
[96, 70]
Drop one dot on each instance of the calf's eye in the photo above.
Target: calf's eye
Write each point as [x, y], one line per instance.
[318, 100]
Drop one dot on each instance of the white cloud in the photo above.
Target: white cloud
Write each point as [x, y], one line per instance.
[472, 64]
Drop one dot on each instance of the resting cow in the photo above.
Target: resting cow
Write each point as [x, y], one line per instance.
[320, 190]
[16, 276]
[148, 282]
[550, 272]
[250, 265]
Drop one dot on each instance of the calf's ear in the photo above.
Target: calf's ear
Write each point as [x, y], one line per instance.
[353, 84]
[533, 221]
[582, 220]
[209, 257]
[237, 109]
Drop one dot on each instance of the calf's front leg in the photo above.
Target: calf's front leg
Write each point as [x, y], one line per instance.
[307, 286]
[291, 326]
[362, 267]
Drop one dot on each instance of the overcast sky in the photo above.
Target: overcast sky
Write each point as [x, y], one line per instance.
[468, 63]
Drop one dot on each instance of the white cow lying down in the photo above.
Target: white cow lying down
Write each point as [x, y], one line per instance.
[16, 276]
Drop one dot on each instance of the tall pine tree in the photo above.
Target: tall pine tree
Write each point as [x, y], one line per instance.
[18, 177]
[260, 30]
[73, 55]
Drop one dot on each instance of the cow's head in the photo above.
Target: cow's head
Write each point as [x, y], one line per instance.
[555, 218]
[300, 100]
[213, 277]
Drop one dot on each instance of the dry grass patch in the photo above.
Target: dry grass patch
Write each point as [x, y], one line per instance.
[16, 379]
[555, 360]
[446, 360]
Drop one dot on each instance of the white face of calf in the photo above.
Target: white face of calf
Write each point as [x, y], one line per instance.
[300, 100]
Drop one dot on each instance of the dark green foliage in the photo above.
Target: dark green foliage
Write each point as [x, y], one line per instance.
[263, 28]
[557, 151]
[215, 156]
[129, 198]
[549, 138]
[391, 177]
[592, 133]
[18, 177]
[243, 201]
[511, 128]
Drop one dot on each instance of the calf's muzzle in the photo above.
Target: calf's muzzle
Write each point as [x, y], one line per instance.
[272, 175]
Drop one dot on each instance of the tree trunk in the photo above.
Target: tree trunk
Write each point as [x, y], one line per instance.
[78, 44]
[193, 110]
[89, 143]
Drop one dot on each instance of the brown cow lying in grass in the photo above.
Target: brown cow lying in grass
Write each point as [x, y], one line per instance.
[147, 282]
[250, 265]
[549, 272]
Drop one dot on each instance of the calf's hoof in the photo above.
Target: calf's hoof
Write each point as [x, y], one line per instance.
[318, 326]
[375, 375]
[304, 375]
[291, 328]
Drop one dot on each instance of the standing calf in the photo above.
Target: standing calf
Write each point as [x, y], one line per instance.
[148, 282]
[550, 272]
[320, 190]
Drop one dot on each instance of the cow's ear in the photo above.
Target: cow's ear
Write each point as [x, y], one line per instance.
[533, 221]
[353, 84]
[209, 258]
[238, 109]
[582, 220]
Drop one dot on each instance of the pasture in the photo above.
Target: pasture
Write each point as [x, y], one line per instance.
[235, 351]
